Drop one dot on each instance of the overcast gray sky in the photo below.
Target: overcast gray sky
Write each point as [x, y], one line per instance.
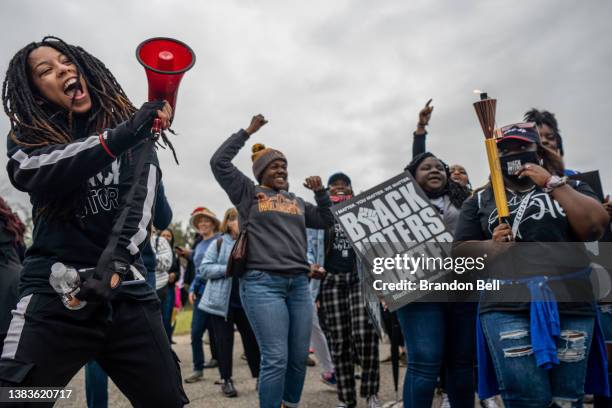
[341, 82]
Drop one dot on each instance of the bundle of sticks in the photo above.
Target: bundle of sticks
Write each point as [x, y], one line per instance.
[485, 110]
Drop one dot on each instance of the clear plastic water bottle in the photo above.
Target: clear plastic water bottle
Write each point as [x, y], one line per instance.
[65, 281]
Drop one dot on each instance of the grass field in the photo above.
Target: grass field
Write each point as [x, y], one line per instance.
[183, 321]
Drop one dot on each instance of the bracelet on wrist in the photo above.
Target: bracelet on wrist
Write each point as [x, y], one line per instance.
[553, 182]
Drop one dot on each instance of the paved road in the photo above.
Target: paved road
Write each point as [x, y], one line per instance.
[206, 394]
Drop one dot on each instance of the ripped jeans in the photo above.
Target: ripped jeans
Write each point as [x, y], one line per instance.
[521, 382]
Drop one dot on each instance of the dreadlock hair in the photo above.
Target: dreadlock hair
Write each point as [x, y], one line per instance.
[32, 120]
[456, 192]
[545, 118]
[12, 222]
[32, 123]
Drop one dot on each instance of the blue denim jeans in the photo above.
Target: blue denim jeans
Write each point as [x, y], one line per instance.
[521, 382]
[280, 312]
[439, 337]
[166, 309]
[200, 321]
[96, 386]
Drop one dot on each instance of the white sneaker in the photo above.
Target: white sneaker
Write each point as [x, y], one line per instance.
[490, 403]
[373, 402]
[445, 402]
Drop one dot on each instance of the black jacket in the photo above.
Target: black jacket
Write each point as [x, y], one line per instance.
[59, 170]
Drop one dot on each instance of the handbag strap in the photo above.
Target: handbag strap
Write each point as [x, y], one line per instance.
[219, 243]
[246, 221]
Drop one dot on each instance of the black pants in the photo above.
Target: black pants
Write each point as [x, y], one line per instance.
[162, 294]
[47, 344]
[224, 339]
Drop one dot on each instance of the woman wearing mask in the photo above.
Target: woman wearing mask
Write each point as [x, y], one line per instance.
[351, 333]
[274, 290]
[537, 347]
[221, 300]
[73, 147]
[438, 336]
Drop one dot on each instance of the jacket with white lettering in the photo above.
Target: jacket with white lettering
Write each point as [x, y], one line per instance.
[57, 171]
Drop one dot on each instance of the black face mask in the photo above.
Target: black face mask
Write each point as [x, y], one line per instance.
[511, 164]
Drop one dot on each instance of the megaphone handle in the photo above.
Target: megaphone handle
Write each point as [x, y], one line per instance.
[156, 128]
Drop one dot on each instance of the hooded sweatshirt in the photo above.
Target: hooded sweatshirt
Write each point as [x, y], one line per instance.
[277, 219]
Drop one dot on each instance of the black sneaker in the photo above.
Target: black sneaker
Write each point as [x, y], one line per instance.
[228, 389]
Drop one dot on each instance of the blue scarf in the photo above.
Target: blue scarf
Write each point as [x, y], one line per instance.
[545, 325]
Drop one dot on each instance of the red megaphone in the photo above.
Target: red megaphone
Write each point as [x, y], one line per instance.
[165, 61]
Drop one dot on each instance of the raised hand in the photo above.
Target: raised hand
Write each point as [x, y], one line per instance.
[256, 123]
[425, 114]
[314, 183]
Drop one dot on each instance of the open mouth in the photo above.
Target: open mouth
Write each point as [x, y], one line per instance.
[73, 89]
[434, 178]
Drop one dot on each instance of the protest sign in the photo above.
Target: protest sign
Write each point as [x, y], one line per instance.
[390, 226]
[593, 180]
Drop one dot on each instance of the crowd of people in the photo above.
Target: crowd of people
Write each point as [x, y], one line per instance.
[85, 156]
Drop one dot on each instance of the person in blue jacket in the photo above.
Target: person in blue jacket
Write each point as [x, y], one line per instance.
[221, 300]
[206, 224]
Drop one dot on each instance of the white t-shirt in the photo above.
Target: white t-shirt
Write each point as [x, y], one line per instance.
[163, 255]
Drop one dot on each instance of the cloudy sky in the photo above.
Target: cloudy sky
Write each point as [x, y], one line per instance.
[341, 82]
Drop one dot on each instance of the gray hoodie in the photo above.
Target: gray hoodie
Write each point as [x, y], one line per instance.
[277, 219]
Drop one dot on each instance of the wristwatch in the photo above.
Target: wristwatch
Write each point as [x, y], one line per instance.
[554, 182]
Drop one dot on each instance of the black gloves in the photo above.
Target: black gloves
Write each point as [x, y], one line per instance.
[104, 283]
[142, 120]
[135, 129]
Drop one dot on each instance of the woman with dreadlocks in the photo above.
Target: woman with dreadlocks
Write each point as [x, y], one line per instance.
[439, 337]
[81, 150]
